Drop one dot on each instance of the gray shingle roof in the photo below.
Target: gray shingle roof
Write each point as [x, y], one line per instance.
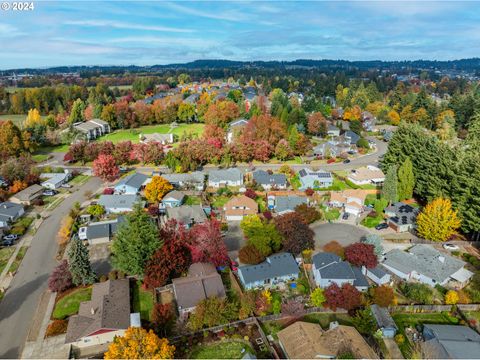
[382, 316]
[323, 259]
[185, 213]
[360, 279]
[28, 193]
[353, 137]
[118, 201]
[378, 272]
[341, 270]
[454, 341]
[425, 260]
[281, 264]
[175, 194]
[264, 178]
[103, 229]
[134, 180]
[10, 209]
[194, 177]
[285, 203]
[231, 174]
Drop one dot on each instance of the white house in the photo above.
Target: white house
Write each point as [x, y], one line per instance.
[225, 177]
[131, 184]
[55, 180]
[378, 275]
[9, 212]
[350, 200]
[234, 127]
[367, 175]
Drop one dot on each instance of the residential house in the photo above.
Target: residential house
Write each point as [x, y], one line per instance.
[55, 180]
[194, 180]
[326, 150]
[367, 175]
[119, 203]
[202, 282]
[351, 137]
[131, 184]
[225, 177]
[328, 268]
[163, 139]
[269, 181]
[28, 195]
[351, 200]
[173, 199]
[234, 128]
[9, 212]
[102, 318]
[275, 270]
[285, 204]
[310, 179]
[93, 128]
[100, 232]
[332, 130]
[378, 275]
[238, 207]
[304, 340]
[402, 217]
[384, 321]
[192, 99]
[188, 215]
[427, 265]
[450, 342]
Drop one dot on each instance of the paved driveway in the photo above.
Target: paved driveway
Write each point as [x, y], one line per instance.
[234, 239]
[345, 234]
[17, 309]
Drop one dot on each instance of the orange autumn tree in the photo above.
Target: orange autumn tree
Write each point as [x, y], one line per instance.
[438, 221]
[137, 343]
[156, 189]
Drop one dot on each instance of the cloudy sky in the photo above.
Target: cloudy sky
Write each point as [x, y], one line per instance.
[154, 32]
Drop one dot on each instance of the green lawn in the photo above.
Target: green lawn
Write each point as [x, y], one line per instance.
[338, 185]
[142, 301]
[219, 201]
[371, 222]
[38, 158]
[45, 150]
[5, 254]
[220, 350]
[295, 182]
[370, 199]
[332, 214]
[20, 226]
[70, 303]
[192, 200]
[18, 259]
[133, 134]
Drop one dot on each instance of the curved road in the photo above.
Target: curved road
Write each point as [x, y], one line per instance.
[17, 309]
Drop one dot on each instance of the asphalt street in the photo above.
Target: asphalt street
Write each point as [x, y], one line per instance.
[17, 309]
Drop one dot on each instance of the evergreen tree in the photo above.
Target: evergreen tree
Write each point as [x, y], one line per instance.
[80, 267]
[406, 180]
[76, 114]
[473, 137]
[390, 185]
[136, 240]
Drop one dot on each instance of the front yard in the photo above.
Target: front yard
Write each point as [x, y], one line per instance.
[371, 222]
[332, 214]
[221, 350]
[69, 303]
[142, 301]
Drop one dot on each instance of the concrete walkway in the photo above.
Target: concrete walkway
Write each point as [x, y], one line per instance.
[393, 349]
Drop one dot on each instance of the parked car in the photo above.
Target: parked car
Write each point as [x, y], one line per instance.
[381, 226]
[49, 193]
[7, 242]
[10, 237]
[66, 186]
[346, 161]
[351, 152]
[451, 247]
[233, 265]
[108, 191]
[345, 216]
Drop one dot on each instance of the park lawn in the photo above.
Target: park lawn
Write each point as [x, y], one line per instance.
[142, 301]
[70, 303]
[371, 222]
[5, 255]
[221, 350]
[332, 214]
[18, 259]
[133, 134]
[193, 200]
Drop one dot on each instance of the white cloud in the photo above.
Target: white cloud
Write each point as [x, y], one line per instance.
[124, 25]
[228, 15]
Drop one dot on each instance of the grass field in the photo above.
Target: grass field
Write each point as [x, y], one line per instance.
[221, 350]
[133, 134]
[70, 303]
[142, 301]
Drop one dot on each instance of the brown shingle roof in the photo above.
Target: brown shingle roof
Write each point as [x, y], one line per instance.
[202, 282]
[109, 308]
[241, 205]
[29, 193]
[304, 340]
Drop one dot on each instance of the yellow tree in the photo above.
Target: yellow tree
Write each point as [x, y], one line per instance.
[137, 343]
[156, 189]
[451, 297]
[33, 118]
[394, 117]
[438, 221]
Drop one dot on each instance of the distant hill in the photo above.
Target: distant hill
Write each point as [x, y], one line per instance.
[469, 65]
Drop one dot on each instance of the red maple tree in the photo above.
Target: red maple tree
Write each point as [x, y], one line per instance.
[361, 254]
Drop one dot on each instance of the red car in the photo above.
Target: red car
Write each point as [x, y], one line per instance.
[108, 191]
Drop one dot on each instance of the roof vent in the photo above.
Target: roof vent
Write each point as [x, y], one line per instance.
[441, 259]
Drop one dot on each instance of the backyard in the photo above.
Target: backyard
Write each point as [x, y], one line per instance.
[221, 350]
[192, 200]
[142, 301]
[133, 134]
[69, 303]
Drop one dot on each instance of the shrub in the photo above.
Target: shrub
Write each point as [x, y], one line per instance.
[57, 327]
[419, 293]
[249, 254]
[451, 297]
[399, 339]
[251, 194]
[121, 275]
[61, 278]
[103, 278]
[455, 253]
[112, 275]
[334, 247]
[309, 192]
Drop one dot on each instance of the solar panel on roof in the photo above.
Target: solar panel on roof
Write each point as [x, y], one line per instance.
[302, 173]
